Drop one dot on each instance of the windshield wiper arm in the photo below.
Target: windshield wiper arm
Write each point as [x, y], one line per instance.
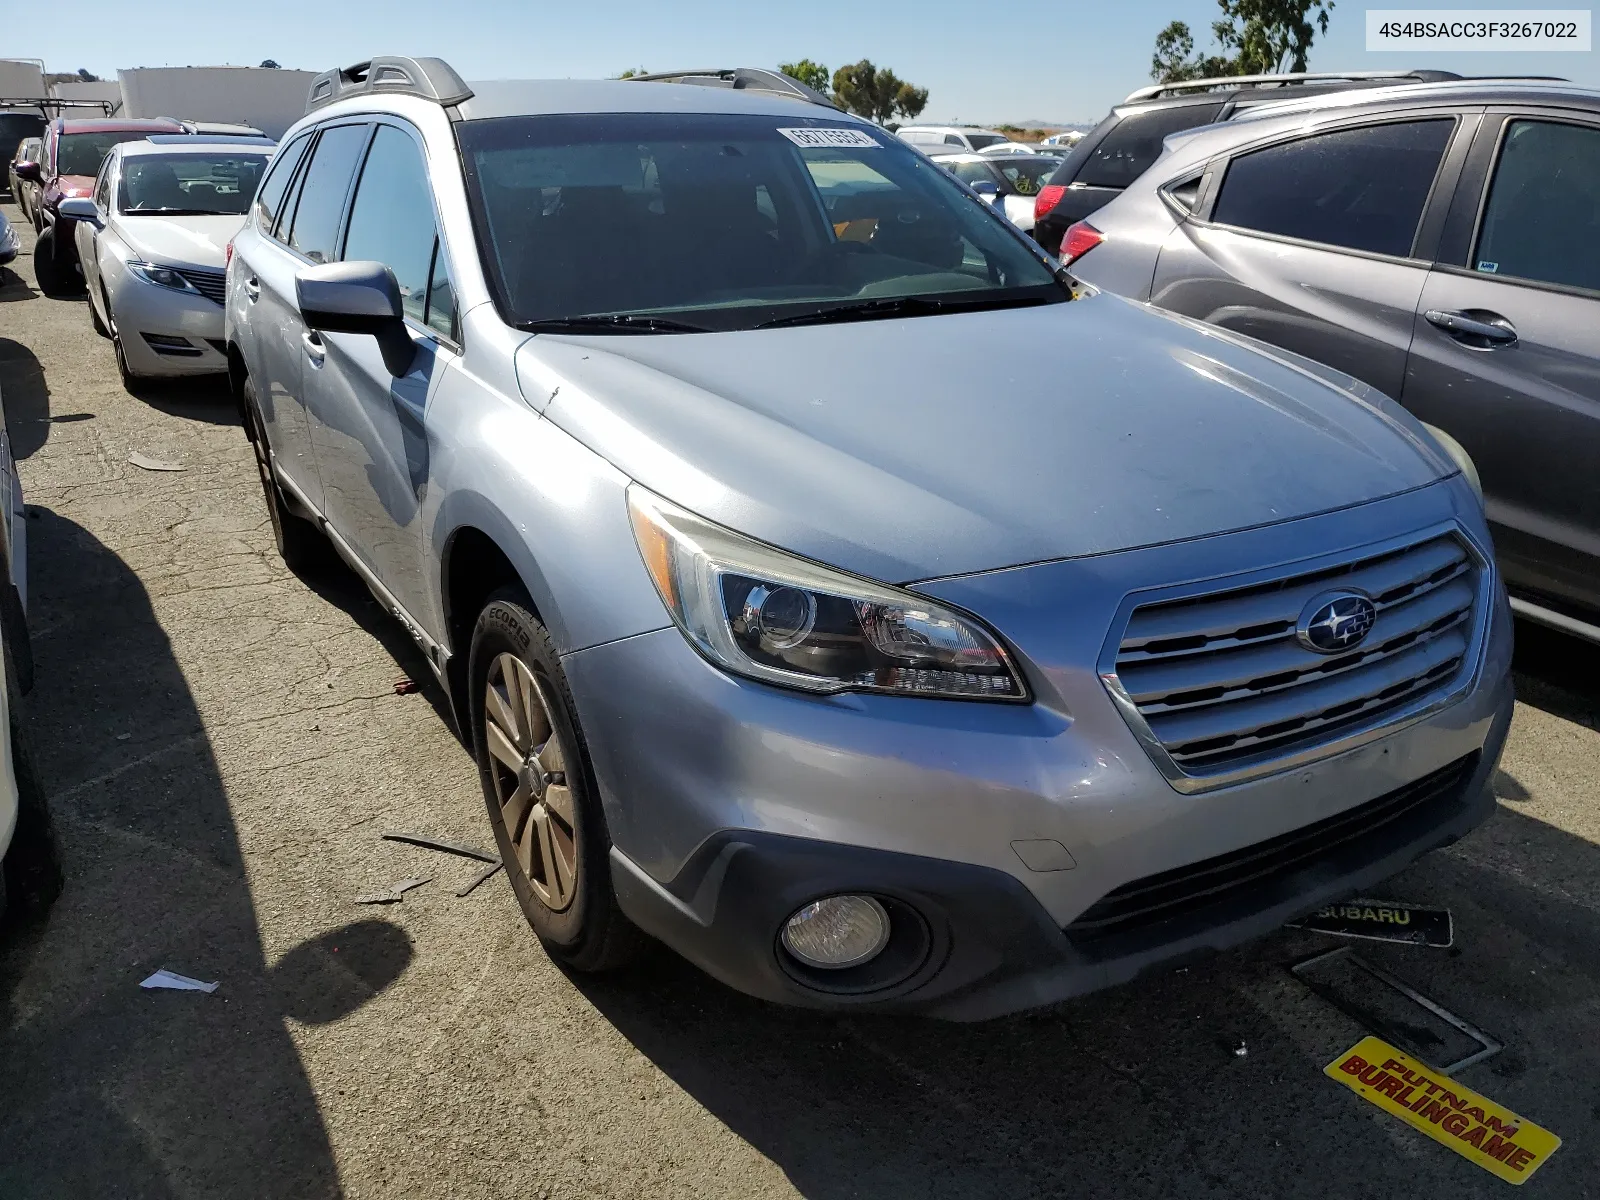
[898, 306]
[614, 322]
[175, 212]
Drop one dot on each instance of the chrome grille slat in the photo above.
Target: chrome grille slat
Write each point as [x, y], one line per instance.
[1152, 683]
[1217, 682]
[213, 285]
[1281, 602]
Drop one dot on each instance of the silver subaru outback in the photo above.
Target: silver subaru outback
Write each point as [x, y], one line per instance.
[785, 628]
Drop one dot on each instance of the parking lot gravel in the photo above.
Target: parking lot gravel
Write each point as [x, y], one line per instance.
[222, 743]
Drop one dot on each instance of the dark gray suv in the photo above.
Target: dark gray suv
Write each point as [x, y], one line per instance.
[1440, 242]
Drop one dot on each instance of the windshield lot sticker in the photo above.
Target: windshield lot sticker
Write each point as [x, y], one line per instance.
[853, 138]
[1382, 921]
[1476, 1128]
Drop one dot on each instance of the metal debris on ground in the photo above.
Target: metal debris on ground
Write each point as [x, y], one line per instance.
[405, 685]
[472, 884]
[1395, 1011]
[1478, 1129]
[177, 983]
[394, 894]
[145, 462]
[430, 843]
[1382, 921]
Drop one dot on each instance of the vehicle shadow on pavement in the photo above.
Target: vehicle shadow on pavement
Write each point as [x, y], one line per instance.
[26, 396]
[1558, 673]
[1140, 1090]
[204, 398]
[111, 1089]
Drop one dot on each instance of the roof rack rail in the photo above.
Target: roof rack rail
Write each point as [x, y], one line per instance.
[431, 78]
[42, 102]
[1290, 77]
[754, 79]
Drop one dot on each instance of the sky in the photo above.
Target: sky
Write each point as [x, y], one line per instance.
[1064, 62]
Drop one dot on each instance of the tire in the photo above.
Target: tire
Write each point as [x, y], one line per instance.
[547, 812]
[132, 383]
[94, 315]
[301, 545]
[32, 867]
[46, 264]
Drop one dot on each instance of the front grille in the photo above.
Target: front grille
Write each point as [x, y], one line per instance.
[213, 285]
[1156, 898]
[1220, 679]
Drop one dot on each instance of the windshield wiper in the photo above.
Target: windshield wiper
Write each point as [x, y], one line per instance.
[612, 322]
[175, 212]
[899, 306]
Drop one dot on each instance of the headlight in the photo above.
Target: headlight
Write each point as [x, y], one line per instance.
[758, 611]
[161, 276]
[1458, 454]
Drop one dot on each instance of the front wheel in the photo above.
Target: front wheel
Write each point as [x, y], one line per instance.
[47, 266]
[543, 804]
[300, 543]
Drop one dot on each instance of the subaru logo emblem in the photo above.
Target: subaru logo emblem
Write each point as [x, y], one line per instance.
[1335, 622]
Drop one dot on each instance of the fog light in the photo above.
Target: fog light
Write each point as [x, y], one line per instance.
[837, 932]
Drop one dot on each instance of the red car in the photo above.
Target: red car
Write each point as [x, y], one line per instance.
[73, 152]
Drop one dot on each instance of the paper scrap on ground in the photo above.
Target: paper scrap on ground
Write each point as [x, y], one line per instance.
[153, 464]
[178, 983]
[396, 892]
[1476, 1128]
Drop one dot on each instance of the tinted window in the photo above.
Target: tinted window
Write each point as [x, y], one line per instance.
[1543, 217]
[82, 153]
[269, 199]
[979, 140]
[1361, 189]
[726, 221]
[219, 184]
[1026, 175]
[327, 182]
[391, 220]
[441, 314]
[1134, 143]
[971, 172]
[953, 139]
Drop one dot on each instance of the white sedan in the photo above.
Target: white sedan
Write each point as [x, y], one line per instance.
[153, 242]
[1009, 182]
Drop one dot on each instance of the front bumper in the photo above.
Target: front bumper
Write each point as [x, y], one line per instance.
[142, 308]
[731, 803]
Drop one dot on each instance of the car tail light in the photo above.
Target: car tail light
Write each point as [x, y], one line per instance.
[1049, 196]
[1079, 240]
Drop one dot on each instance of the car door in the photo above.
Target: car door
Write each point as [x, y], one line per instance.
[1507, 350]
[1312, 243]
[305, 232]
[88, 233]
[368, 428]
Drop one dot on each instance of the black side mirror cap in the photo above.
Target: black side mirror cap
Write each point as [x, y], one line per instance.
[357, 297]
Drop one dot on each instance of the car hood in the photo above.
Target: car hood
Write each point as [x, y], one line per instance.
[77, 185]
[180, 241]
[914, 448]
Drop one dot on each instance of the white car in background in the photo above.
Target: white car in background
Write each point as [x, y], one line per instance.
[956, 139]
[153, 240]
[1007, 182]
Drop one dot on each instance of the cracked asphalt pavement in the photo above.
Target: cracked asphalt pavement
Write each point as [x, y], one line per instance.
[221, 744]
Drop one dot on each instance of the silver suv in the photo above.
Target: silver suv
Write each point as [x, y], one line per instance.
[1439, 241]
[783, 627]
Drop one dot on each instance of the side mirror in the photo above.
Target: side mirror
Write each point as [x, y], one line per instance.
[986, 188]
[27, 170]
[79, 208]
[357, 297]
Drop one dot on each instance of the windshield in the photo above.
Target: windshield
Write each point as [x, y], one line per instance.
[727, 221]
[1027, 175]
[82, 153]
[190, 184]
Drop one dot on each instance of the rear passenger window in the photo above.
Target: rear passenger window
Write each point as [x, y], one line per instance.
[269, 198]
[327, 183]
[1543, 217]
[1359, 189]
[1134, 143]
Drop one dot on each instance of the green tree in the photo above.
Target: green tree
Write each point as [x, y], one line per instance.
[1262, 35]
[632, 71]
[877, 92]
[813, 75]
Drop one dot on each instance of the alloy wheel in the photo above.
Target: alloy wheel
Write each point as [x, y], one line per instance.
[528, 764]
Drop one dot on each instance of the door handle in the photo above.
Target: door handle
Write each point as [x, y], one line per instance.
[315, 350]
[1476, 327]
[252, 289]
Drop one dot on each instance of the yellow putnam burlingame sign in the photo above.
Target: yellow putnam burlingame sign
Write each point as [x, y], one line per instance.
[1476, 1128]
